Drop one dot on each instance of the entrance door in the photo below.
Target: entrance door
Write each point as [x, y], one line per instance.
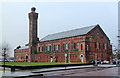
[51, 58]
[26, 58]
[81, 56]
[56, 59]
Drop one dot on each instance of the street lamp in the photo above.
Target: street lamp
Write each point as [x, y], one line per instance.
[96, 59]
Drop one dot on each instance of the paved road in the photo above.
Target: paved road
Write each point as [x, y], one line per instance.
[101, 70]
[86, 72]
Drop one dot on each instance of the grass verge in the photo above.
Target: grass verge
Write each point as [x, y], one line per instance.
[33, 63]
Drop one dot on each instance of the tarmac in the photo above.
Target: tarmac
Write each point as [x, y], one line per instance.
[34, 72]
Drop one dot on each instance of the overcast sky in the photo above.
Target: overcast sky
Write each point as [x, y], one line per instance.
[57, 17]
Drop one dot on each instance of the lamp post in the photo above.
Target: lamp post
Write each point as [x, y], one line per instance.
[96, 59]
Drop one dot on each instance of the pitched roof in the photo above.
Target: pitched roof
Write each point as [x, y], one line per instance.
[70, 33]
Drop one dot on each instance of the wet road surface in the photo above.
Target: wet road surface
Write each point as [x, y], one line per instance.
[114, 71]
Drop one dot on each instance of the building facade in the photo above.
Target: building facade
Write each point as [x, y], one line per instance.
[77, 45]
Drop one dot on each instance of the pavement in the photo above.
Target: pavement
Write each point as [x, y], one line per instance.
[86, 70]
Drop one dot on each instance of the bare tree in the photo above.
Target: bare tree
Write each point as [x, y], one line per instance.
[5, 50]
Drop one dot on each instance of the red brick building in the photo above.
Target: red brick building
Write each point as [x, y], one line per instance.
[80, 45]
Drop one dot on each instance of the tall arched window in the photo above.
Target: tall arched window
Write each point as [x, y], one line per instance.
[38, 49]
[74, 45]
[103, 46]
[99, 45]
[54, 47]
[58, 47]
[63, 46]
[81, 46]
[50, 48]
[69, 46]
[95, 45]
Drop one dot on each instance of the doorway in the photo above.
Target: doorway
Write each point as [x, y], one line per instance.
[81, 57]
[26, 58]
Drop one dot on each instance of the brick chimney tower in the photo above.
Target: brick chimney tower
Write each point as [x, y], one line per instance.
[33, 39]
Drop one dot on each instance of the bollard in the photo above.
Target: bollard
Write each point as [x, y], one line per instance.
[12, 69]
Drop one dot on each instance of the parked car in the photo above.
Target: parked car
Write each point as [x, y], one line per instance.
[100, 61]
[105, 62]
[11, 60]
[114, 61]
[5, 61]
[93, 61]
[118, 62]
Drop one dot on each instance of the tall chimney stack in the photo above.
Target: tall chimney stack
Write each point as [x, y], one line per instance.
[33, 39]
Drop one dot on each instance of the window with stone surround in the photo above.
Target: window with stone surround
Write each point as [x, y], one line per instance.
[58, 47]
[69, 46]
[38, 49]
[63, 46]
[81, 47]
[54, 47]
[42, 49]
[50, 48]
[99, 45]
[103, 46]
[107, 45]
[46, 48]
[74, 45]
[95, 45]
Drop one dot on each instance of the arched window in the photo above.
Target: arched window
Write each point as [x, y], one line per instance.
[54, 47]
[107, 45]
[74, 45]
[103, 46]
[69, 46]
[58, 47]
[99, 45]
[38, 49]
[95, 45]
[42, 48]
[63, 46]
[50, 48]
[46, 48]
[81, 46]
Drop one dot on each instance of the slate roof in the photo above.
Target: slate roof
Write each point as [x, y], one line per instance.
[70, 33]
[24, 47]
